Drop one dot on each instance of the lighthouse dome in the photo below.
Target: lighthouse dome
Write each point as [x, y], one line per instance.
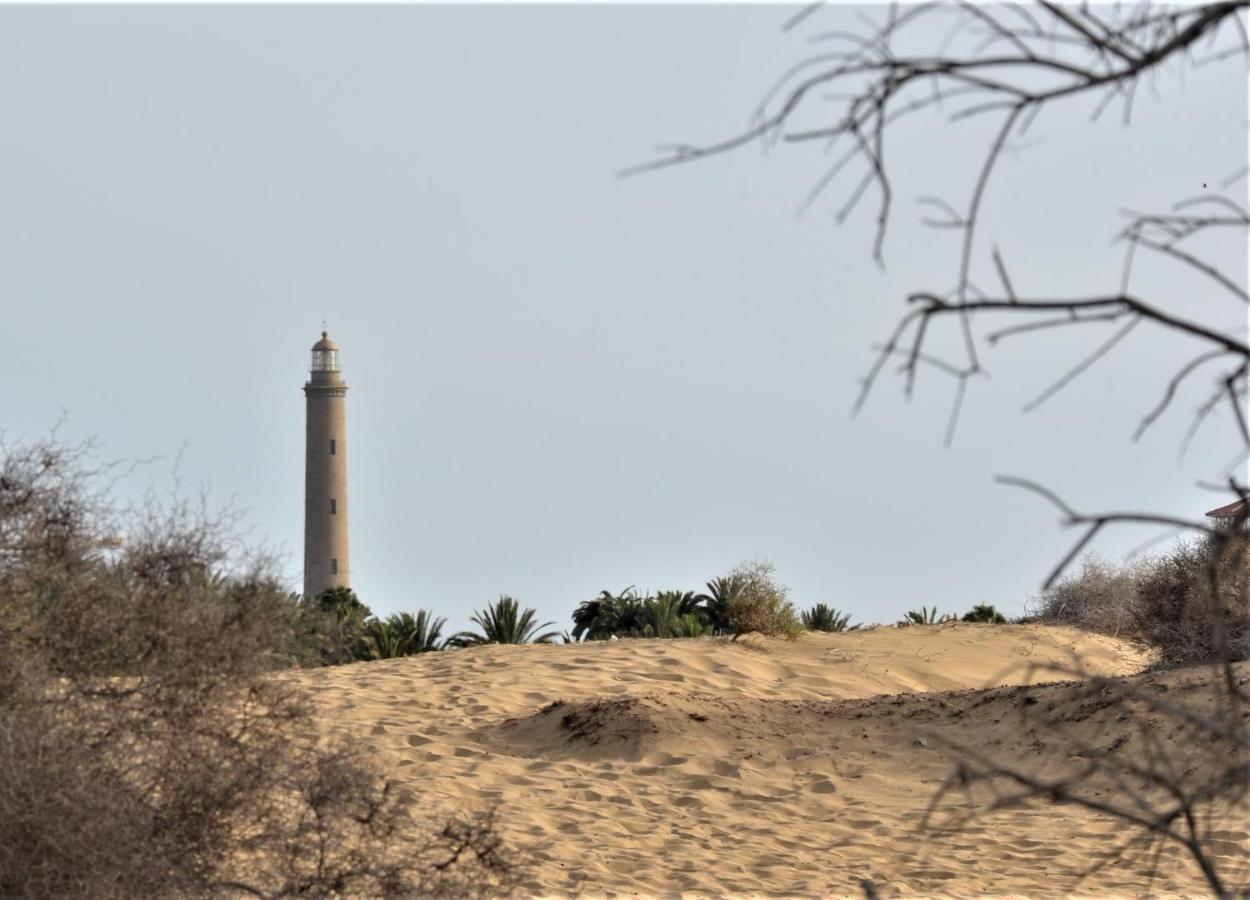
[325, 343]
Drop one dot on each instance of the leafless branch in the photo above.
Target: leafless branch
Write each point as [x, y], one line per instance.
[1009, 63]
[1022, 61]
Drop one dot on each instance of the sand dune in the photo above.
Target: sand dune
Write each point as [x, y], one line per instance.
[644, 768]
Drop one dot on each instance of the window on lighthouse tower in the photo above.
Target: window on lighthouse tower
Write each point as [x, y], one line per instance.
[334, 506]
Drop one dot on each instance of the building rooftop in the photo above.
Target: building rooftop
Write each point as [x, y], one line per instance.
[1231, 511]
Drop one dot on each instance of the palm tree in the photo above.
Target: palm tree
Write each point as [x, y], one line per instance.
[595, 620]
[629, 614]
[403, 634]
[661, 614]
[421, 633]
[383, 639]
[688, 602]
[503, 622]
[342, 603]
[337, 622]
[825, 618]
[720, 593]
[609, 615]
[923, 616]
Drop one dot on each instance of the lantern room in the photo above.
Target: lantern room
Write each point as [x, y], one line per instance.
[325, 355]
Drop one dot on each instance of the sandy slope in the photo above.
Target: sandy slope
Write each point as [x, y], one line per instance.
[645, 767]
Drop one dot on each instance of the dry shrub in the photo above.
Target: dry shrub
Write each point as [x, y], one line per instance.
[1101, 597]
[761, 604]
[1192, 603]
[1167, 601]
[146, 747]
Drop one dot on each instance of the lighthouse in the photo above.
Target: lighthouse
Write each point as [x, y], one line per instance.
[326, 560]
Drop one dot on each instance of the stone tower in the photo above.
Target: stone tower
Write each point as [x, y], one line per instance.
[326, 560]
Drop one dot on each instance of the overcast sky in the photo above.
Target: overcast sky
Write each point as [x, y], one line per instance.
[562, 381]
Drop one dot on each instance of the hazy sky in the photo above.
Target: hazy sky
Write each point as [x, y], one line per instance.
[562, 381]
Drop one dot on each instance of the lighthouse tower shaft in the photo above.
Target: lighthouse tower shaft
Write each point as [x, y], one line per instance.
[326, 560]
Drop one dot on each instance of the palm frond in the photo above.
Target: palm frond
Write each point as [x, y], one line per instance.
[822, 617]
[504, 622]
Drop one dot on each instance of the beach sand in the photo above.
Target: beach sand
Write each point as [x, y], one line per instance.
[655, 768]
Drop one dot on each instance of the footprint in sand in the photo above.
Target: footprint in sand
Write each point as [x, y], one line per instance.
[669, 760]
[674, 677]
[863, 824]
[823, 786]
[1226, 848]
[1229, 836]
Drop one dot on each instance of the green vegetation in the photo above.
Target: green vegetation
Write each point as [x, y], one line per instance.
[337, 627]
[984, 612]
[748, 599]
[334, 624]
[690, 625]
[822, 617]
[504, 622]
[924, 616]
[1164, 601]
[609, 615]
[669, 614]
[721, 592]
[404, 635]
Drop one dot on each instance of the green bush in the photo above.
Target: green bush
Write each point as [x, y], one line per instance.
[333, 623]
[691, 625]
[984, 612]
